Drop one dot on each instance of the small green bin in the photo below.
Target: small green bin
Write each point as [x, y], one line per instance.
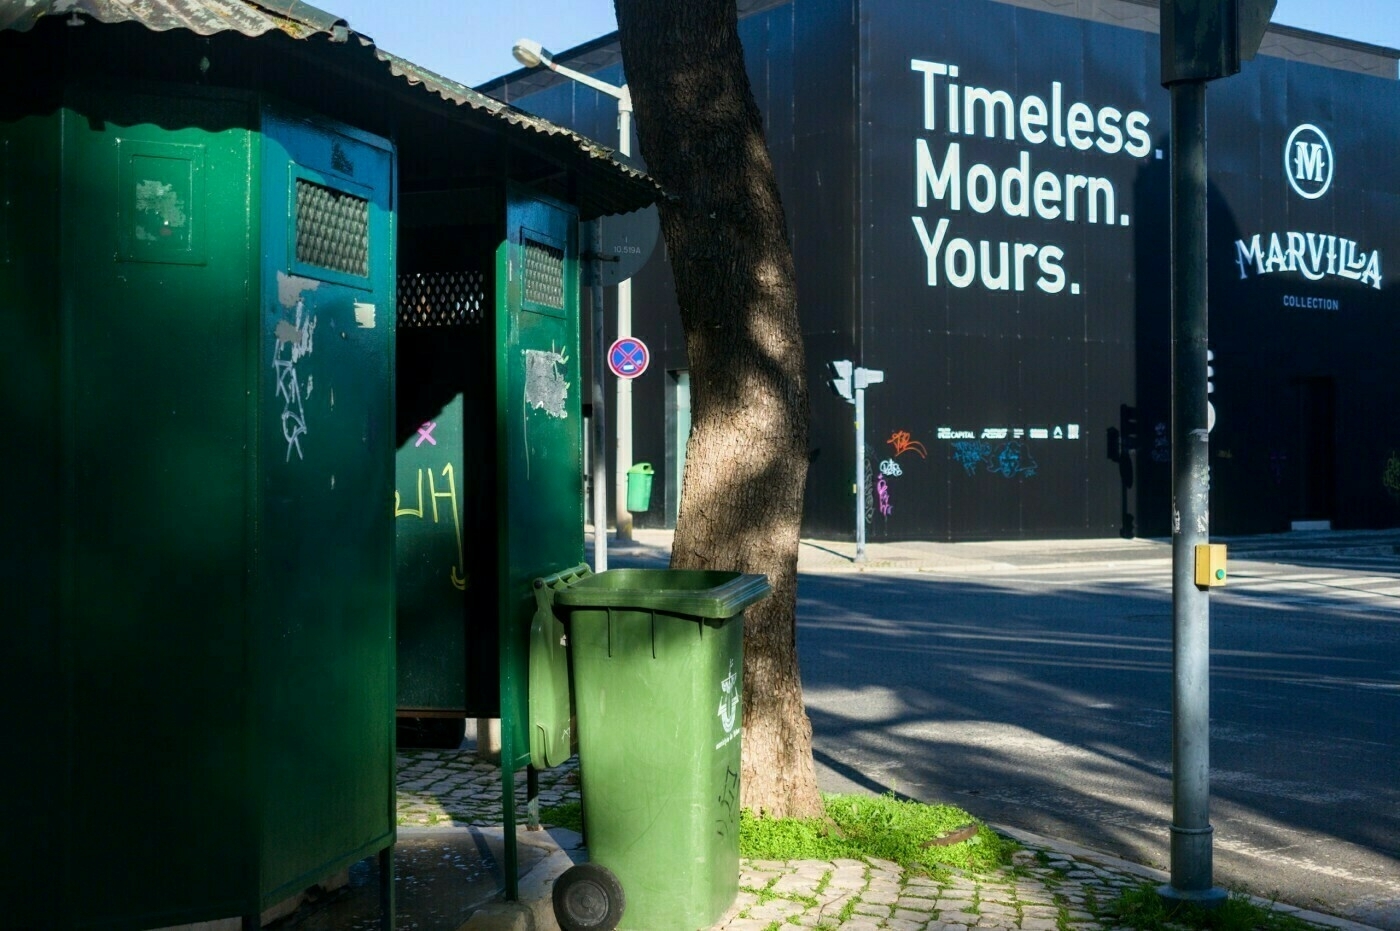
[639, 479]
[658, 658]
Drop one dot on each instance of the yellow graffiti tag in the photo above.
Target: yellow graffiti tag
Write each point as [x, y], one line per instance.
[458, 573]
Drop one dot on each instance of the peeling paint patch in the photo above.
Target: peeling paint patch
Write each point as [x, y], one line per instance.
[545, 386]
[290, 288]
[364, 316]
[164, 203]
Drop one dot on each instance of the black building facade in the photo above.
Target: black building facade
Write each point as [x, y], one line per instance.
[978, 202]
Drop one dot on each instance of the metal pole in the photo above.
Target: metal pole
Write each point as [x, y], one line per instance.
[860, 472]
[624, 328]
[1191, 855]
[600, 423]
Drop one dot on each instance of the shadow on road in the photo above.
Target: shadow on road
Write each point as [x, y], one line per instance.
[1045, 704]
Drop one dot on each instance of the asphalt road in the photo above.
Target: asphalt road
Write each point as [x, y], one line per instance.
[1041, 699]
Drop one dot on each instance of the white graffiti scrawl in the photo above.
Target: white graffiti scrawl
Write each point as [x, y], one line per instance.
[292, 340]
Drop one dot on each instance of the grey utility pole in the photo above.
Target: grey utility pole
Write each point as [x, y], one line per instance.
[1202, 40]
[599, 439]
[850, 383]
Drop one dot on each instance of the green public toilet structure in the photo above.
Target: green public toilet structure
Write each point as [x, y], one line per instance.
[657, 660]
[210, 213]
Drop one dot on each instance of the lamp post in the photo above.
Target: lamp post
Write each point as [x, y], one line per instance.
[533, 55]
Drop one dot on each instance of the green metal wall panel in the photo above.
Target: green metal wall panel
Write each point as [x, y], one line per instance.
[539, 429]
[324, 649]
[433, 578]
[204, 645]
[155, 320]
[32, 687]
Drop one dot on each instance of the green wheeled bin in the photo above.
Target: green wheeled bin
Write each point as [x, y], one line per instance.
[639, 479]
[658, 658]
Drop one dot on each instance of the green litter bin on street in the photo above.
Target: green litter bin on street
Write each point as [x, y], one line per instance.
[658, 658]
[639, 479]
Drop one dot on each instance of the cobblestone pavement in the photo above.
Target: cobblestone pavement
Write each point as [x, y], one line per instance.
[1046, 888]
[445, 787]
[1043, 891]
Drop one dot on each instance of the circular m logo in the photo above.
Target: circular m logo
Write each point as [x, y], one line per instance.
[1307, 161]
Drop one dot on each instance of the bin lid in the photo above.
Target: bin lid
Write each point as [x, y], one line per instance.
[696, 592]
[641, 468]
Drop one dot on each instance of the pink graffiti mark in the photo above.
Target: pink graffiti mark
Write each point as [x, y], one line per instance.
[882, 489]
[425, 432]
[901, 442]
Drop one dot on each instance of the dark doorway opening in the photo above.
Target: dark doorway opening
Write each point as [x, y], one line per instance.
[1317, 448]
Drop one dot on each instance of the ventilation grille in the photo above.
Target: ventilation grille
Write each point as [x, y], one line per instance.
[332, 229]
[544, 274]
[441, 299]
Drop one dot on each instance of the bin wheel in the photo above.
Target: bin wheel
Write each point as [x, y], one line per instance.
[588, 897]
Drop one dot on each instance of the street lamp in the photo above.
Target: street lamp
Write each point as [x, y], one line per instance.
[533, 55]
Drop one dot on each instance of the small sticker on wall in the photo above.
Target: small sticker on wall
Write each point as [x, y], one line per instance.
[728, 713]
[364, 316]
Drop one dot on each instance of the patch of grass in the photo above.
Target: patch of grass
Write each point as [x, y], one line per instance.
[862, 827]
[568, 816]
[1144, 909]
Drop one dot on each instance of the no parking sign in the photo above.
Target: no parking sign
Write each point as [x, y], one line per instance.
[628, 357]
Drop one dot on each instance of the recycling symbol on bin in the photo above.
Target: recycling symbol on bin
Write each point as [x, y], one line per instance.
[729, 701]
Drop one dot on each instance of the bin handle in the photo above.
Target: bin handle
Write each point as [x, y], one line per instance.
[546, 586]
[566, 577]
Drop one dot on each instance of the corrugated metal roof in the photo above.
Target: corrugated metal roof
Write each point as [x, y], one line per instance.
[611, 178]
[462, 95]
[203, 17]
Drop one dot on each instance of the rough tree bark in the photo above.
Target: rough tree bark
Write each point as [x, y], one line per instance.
[746, 464]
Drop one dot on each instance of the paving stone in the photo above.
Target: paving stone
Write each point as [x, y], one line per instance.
[881, 890]
[957, 916]
[927, 895]
[1039, 924]
[774, 910]
[777, 866]
[900, 924]
[799, 883]
[912, 914]
[871, 908]
[756, 878]
[1039, 911]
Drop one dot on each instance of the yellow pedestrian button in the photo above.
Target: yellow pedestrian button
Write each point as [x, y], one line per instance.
[1210, 564]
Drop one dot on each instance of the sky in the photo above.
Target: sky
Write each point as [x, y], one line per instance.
[469, 41]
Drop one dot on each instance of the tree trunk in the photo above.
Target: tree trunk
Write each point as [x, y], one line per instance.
[746, 464]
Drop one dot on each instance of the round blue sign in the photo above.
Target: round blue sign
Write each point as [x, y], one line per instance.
[628, 357]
